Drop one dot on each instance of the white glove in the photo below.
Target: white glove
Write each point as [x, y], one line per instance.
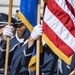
[37, 31]
[7, 32]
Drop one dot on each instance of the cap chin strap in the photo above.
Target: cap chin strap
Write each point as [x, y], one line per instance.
[23, 33]
[20, 40]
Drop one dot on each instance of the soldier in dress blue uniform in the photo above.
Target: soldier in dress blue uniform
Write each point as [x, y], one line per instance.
[2, 25]
[19, 56]
[50, 64]
[48, 61]
[13, 43]
[4, 22]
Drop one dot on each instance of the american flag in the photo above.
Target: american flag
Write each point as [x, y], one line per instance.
[59, 28]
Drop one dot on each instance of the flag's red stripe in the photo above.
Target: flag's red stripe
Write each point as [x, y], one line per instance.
[56, 40]
[70, 7]
[62, 16]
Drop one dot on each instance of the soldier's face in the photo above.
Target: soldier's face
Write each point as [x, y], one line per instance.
[20, 30]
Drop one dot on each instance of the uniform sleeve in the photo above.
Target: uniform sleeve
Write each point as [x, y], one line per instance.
[2, 54]
[27, 55]
[28, 51]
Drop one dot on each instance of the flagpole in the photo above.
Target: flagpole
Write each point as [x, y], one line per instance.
[73, 72]
[38, 43]
[43, 7]
[45, 3]
[8, 38]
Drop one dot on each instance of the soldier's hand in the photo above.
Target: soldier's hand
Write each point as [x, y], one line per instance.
[37, 31]
[7, 32]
